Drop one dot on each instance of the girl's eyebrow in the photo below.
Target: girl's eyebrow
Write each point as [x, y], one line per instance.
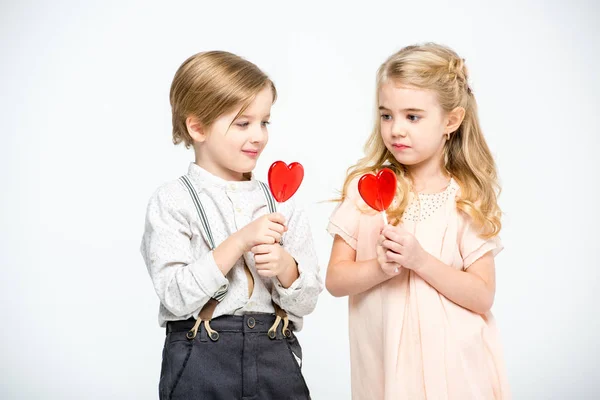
[406, 109]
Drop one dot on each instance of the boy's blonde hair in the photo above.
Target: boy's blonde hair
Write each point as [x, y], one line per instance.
[466, 154]
[209, 84]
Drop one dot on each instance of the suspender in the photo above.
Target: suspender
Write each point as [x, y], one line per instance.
[202, 214]
[209, 308]
[269, 196]
[200, 210]
[204, 219]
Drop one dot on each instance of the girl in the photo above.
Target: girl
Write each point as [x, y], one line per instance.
[421, 287]
[211, 245]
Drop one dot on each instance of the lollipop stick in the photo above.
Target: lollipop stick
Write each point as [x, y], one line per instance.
[280, 240]
[385, 222]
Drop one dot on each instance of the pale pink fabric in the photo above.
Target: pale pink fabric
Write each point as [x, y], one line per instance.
[407, 341]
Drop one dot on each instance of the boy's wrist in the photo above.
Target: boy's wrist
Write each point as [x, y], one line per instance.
[291, 263]
[290, 273]
[237, 242]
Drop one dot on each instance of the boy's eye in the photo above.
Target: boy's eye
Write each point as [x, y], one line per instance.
[386, 117]
[265, 123]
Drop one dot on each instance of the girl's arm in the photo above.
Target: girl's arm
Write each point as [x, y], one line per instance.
[346, 276]
[473, 289]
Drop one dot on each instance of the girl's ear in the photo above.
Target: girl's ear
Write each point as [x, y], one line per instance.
[454, 119]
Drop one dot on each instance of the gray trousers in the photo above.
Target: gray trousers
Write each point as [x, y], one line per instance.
[243, 363]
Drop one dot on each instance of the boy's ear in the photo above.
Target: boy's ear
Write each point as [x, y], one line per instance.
[195, 129]
[455, 118]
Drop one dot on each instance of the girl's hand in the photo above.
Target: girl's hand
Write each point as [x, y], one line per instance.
[402, 248]
[389, 267]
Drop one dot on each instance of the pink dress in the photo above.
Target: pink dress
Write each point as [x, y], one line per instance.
[407, 341]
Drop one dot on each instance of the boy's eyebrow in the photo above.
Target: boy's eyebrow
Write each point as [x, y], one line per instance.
[250, 116]
[406, 109]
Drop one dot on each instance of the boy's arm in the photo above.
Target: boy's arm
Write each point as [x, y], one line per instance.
[182, 283]
[300, 297]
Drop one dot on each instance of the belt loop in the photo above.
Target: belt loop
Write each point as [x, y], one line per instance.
[203, 335]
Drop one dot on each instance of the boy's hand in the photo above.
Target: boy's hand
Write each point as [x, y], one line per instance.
[272, 260]
[265, 230]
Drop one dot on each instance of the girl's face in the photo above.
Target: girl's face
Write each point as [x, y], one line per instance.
[229, 148]
[413, 124]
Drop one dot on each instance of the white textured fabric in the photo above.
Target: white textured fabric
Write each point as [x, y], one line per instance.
[181, 264]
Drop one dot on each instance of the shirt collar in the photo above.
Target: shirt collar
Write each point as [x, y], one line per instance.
[202, 177]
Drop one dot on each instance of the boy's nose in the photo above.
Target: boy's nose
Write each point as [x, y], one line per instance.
[258, 136]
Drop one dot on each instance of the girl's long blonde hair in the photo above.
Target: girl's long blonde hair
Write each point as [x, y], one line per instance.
[467, 156]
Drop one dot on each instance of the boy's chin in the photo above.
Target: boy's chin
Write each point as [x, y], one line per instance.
[246, 167]
[244, 171]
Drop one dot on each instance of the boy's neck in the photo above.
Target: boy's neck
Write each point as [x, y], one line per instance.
[220, 172]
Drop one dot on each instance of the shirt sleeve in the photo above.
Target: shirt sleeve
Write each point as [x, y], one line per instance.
[182, 283]
[301, 297]
[345, 219]
[472, 246]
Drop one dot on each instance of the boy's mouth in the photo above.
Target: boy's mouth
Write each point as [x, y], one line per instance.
[250, 153]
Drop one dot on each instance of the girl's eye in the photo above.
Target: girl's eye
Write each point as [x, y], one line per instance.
[386, 117]
[242, 124]
[413, 118]
[265, 123]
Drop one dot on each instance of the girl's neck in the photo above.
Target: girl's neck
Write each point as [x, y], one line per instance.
[428, 178]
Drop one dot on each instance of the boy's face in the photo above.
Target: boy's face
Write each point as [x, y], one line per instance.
[229, 149]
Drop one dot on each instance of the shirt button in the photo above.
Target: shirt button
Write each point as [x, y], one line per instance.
[238, 210]
[232, 187]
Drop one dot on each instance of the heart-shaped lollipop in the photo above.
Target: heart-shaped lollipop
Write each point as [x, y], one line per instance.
[378, 190]
[284, 180]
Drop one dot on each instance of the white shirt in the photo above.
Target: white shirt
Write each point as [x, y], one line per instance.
[181, 264]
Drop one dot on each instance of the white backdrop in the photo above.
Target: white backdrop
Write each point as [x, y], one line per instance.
[85, 130]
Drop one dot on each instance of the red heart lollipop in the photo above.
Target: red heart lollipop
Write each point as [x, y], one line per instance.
[378, 190]
[284, 180]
